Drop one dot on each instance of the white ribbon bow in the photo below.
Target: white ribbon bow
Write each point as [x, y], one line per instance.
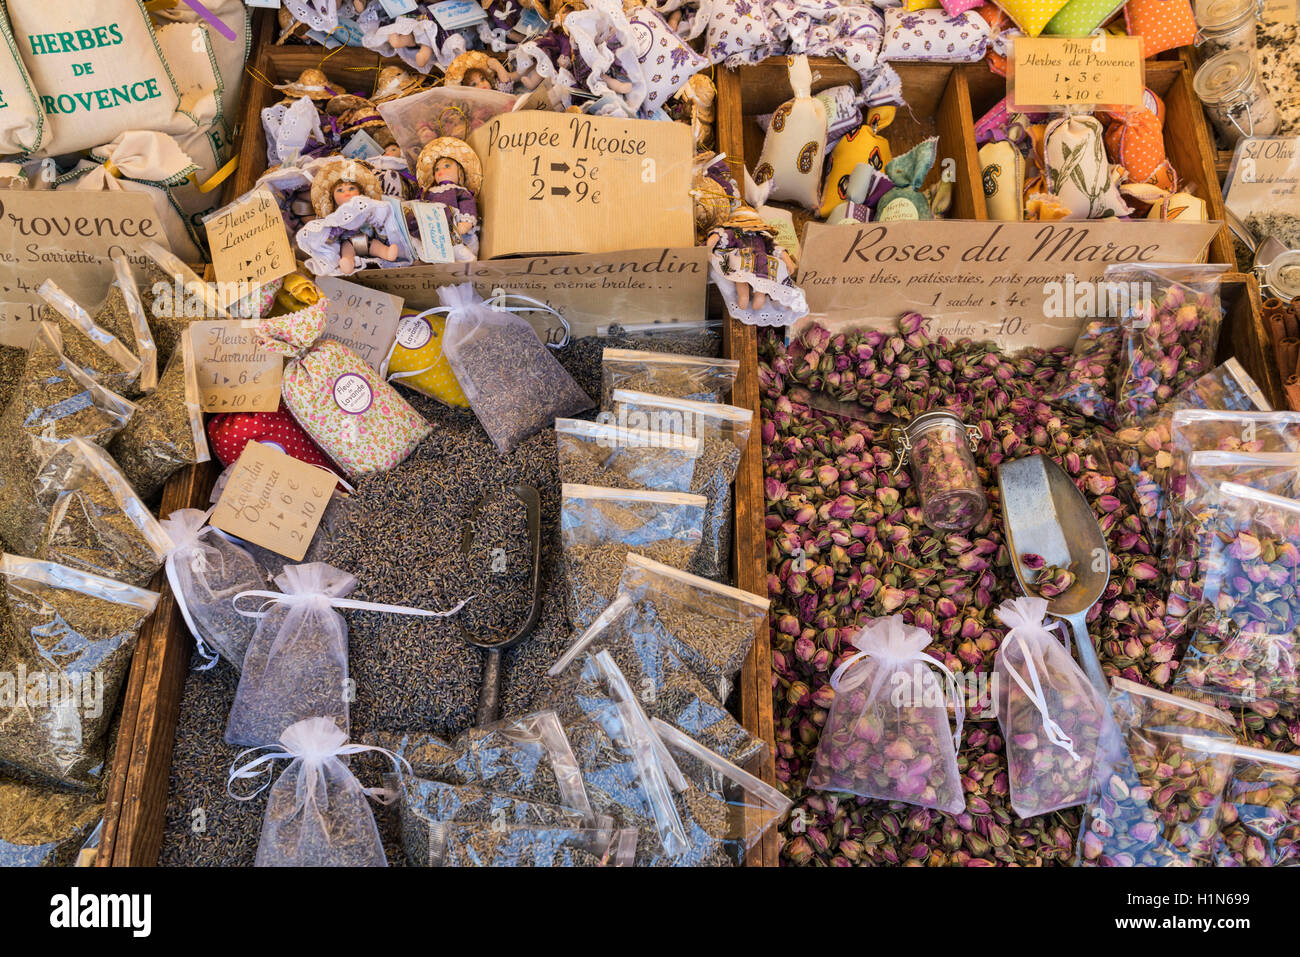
[894, 642]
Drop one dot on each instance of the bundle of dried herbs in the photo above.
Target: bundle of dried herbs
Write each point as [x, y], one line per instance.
[66, 648]
[206, 571]
[44, 827]
[166, 433]
[709, 626]
[513, 383]
[476, 845]
[722, 431]
[317, 814]
[600, 526]
[296, 666]
[696, 378]
[664, 684]
[428, 807]
[126, 290]
[54, 401]
[97, 349]
[96, 521]
[600, 453]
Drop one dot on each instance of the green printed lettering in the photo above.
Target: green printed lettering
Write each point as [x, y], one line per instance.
[152, 86]
[120, 95]
[37, 40]
[101, 97]
[101, 36]
[86, 39]
[117, 34]
[48, 103]
[69, 107]
[69, 42]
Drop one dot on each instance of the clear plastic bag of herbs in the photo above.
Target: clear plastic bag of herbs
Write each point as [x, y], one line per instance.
[666, 686]
[528, 758]
[1192, 521]
[724, 808]
[97, 522]
[54, 401]
[697, 378]
[599, 527]
[478, 845]
[428, 808]
[722, 431]
[1171, 316]
[600, 453]
[1156, 786]
[1260, 819]
[1084, 383]
[44, 827]
[100, 352]
[709, 626]
[513, 383]
[317, 813]
[1141, 455]
[72, 635]
[296, 665]
[1245, 627]
[206, 570]
[166, 433]
[174, 297]
[628, 772]
[124, 297]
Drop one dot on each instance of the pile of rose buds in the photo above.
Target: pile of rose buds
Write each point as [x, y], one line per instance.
[846, 543]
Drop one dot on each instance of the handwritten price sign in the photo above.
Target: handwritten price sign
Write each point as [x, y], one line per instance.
[235, 374]
[249, 241]
[364, 320]
[273, 500]
[1051, 73]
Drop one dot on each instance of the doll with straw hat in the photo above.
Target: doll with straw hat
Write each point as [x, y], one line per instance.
[449, 172]
[478, 70]
[311, 83]
[393, 83]
[337, 184]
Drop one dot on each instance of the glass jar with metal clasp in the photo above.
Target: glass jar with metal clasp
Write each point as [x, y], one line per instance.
[939, 448]
[1232, 89]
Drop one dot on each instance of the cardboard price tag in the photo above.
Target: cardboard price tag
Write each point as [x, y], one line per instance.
[1051, 73]
[249, 241]
[364, 320]
[235, 373]
[65, 236]
[567, 182]
[1280, 11]
[1265, 169]
[273, 500]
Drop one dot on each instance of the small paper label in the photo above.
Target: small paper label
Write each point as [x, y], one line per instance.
[364, 320]
[530, 23]
[249, 241]
[1049, 73]
[456, 14]
[235, 374]
[395, 8]
[362, 146]
[435, 235]
[414, 332]
[1280, 11]
[352, 393]
[269, 4]
[273, 500]
[324, 39]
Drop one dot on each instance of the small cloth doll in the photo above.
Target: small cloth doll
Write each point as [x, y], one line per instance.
[344, 194]
[393, 83]
[480, 71]
[715, 192]
[419, 39]
[451, 120]
[449, 172]
[546, 57]
[750, 269]
[500, 31]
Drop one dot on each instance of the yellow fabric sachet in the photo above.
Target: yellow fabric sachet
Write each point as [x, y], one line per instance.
[417, 361]
[863, 145]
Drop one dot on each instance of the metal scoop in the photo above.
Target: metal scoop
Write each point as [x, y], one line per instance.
[489, 699]
[1045, 514]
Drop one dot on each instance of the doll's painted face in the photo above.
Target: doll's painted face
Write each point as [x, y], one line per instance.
[344, 191]
[392, 150]
[447, 170]
[477, 79]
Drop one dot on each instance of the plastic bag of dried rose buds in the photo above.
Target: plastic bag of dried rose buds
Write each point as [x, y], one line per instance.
[1260, 820]
[1245, 626]
[1156, 785]
[1171, 315]
[1050, 714]
[1084, 383]
[887, 733]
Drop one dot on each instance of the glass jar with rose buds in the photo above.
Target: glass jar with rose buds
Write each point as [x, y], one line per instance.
[939, 448]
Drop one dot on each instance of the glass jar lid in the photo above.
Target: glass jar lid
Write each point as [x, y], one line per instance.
[929, 420]
[1225, 77]
[1224, 14]
[1282, 275]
